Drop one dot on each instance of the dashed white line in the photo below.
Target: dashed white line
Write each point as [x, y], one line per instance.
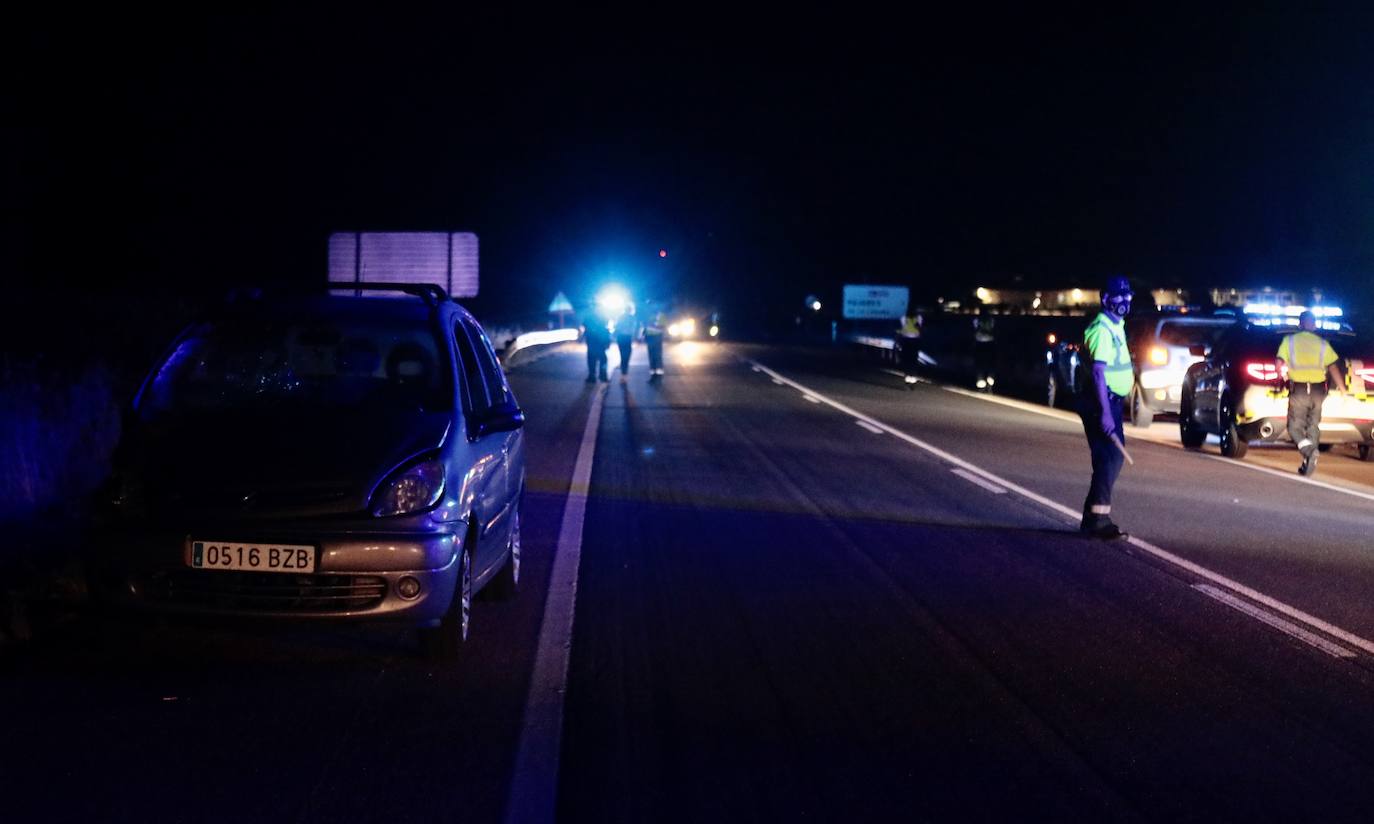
[870, 427]
[534, 781]
[1195, 569]
[778, 382]
[974, 479]
[1312, 639]
[812, 398]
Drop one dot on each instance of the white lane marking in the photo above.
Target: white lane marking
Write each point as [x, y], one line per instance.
[1073, 516]
[812, 398]
[1057, 414]
[1288, 476]
[778, 382]
[870, 427]
[756, 369]
[974, 479]
[1312, 639]
[534, 782]
[1067, 417]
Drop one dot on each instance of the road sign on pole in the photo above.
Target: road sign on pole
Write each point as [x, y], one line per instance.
[560, 305]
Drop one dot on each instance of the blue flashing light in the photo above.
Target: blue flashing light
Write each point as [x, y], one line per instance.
[613, 300]
[1276, 311]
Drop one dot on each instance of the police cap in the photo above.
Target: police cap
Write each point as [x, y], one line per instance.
[1117, 285]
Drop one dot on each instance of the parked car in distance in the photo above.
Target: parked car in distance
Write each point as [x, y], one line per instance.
[1238, 392]
[323, 456]
[1160, 344]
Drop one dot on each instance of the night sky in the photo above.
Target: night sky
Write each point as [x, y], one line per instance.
[770, 156]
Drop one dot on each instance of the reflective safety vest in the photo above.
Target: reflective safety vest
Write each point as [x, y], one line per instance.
[1307, 356]
[910, 329]
[1105, 341]
[982, 330]
[655, 325]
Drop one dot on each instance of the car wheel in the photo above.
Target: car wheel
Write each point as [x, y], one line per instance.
[446, 641]
[1051, 391]
[1324, 447]
[1141, 414]
[1189, 433]
[507, 582]
[1232, 444]
[1364, 451]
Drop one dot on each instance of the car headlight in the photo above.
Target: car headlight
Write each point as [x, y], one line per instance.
[412, 489]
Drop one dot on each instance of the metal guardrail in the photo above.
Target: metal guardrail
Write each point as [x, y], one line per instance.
[887, 344]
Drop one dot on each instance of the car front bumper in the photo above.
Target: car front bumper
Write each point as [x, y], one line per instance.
[356, 576]
[1161, 389]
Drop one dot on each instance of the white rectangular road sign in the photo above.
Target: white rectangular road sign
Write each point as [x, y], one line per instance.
[447, 259]
[869, 302]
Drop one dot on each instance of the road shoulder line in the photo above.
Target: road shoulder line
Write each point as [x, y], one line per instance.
[533, 792]
[1069, 417]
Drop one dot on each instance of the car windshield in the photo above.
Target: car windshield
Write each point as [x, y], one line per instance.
[1192, 332]
[334, 360]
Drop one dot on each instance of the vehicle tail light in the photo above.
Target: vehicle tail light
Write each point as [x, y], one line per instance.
[1265, 371]
[1159, 355]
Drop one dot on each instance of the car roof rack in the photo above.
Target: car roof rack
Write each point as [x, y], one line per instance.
[431, 293]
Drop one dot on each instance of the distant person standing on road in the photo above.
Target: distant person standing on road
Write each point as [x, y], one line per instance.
[597, 336]
[1104, 345]
[625, 328]
[984, 350]
[909, 348]
[1310, 360]
[653, 341]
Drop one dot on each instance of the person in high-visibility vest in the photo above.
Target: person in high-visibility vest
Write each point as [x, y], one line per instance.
[984, 350]
[1104, 346]
[653, 341]
[909, 348]
[1310, 360]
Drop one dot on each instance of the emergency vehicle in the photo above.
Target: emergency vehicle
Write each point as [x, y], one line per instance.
[1238, 390]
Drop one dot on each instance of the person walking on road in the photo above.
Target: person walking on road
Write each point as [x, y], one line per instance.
[1104, 344]
[625, 328]
[653, 341]
[1310, 359]
[909, 348]
[597, 335]
[984, 350]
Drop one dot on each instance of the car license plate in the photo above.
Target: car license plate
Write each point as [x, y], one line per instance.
[252, 557]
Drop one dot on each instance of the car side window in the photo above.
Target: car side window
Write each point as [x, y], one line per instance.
[476, 397]
[497, 389]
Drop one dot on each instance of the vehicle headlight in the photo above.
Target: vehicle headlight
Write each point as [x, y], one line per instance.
[412, 489]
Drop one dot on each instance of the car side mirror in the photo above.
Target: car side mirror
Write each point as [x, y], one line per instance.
[501, 419]
[1199, 350]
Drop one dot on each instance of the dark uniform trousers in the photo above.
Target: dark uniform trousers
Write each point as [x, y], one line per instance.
[654, 343]
[1305, 414]
[596, 357]
[909, 354]
[1107, 458]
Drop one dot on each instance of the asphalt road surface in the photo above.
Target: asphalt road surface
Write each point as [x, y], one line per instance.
[794, 591]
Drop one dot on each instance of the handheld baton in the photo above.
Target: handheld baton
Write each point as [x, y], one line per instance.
[1122, 448]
